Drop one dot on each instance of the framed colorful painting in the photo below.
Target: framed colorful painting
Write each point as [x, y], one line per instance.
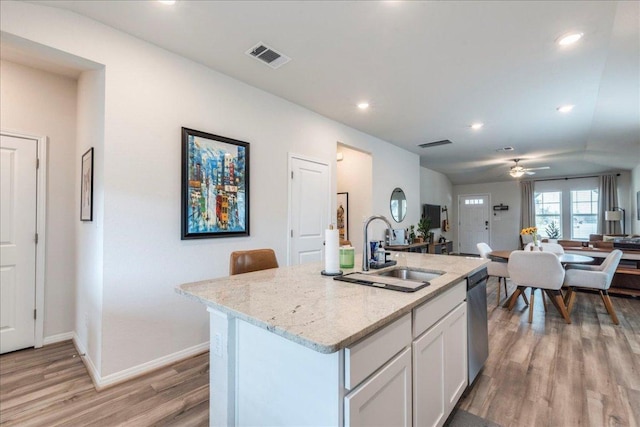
[215, 186]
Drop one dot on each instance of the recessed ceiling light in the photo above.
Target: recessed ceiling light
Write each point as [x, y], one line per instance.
[565, 108]
[363, 105]
[167, 2]
[568, 39]
[477, 126]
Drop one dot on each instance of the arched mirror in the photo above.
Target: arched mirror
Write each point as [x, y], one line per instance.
[398, 204]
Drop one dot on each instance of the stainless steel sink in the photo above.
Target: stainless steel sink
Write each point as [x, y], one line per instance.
[406, 273]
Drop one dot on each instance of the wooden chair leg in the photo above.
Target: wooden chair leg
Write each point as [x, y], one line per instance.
[524, 297]
[557, 295]
[504, 279]
[514, 297]
[544, 300]
[609, 306]
[571, 298]
[532, 297]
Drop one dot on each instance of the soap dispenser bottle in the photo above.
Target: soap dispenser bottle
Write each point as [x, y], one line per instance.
[380, 255]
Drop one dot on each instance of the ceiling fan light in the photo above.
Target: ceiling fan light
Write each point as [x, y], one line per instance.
[516, 173]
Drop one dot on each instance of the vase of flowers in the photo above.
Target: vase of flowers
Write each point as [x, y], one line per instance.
[533, 231]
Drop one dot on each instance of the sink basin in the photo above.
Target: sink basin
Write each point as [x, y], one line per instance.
[406, 273]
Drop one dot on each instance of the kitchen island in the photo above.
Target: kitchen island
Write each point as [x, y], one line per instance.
[292, 347]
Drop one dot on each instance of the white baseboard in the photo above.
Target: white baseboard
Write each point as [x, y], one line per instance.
[112, 379]
[57, 338]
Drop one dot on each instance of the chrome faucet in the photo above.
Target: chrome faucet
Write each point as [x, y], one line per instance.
[365, 251]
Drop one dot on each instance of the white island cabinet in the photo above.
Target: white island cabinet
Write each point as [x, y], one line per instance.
[292, 348]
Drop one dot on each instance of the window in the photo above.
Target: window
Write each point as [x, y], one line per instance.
[548, 210]
[584, 213]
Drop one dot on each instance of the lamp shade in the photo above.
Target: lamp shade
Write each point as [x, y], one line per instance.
[613, 215]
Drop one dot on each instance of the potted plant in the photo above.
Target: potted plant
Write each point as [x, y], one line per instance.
[553, 232]
[423, 228]
[412, 234]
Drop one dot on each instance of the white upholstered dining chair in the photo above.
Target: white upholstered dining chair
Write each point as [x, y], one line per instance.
[547, 247]
[538, 270]
[496, 269]
[596, 277]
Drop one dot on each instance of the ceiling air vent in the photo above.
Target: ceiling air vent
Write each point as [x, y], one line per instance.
[435, 144]
[268, 55]
[499, 150]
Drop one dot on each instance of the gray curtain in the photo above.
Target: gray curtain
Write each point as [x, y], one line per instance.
[607, 199]
[528, 208]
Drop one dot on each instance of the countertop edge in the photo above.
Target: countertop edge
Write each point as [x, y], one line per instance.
[330, 347]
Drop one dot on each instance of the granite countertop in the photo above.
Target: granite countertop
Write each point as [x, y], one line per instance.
[316, 311]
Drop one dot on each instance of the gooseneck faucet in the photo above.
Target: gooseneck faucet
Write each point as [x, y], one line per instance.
[365, 251]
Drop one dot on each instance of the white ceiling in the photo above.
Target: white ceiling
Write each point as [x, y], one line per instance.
[429, 70]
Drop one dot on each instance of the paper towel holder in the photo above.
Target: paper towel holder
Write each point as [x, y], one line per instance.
[324, 272]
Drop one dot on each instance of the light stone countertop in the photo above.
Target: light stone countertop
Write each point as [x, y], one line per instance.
[318, 312]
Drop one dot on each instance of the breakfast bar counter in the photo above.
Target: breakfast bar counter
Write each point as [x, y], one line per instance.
[292, 347]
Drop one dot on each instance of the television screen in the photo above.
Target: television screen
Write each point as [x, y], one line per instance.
[432, 212]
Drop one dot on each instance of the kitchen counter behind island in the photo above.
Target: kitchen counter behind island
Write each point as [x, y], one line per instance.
[284, 341]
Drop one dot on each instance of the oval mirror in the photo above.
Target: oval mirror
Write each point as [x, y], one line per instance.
[398, 204]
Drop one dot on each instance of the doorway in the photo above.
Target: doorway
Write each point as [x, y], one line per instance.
[309, 209]
[22, 220]
[473, 225]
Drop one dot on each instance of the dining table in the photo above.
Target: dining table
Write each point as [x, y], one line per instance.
[503, 256]
[564, 258]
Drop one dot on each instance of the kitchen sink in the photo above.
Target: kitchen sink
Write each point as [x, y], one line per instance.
[406, 273]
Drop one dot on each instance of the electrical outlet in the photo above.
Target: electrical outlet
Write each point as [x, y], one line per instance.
[217, 344]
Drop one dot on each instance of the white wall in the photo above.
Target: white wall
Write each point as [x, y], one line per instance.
[436, 189]
[90, 235]
[504, 225]
[149, 95]
[39, 103]
[633, 201]
[354, 175]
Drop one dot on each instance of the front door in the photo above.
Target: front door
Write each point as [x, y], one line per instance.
[18, 177]
[309, 209]
[473, 226]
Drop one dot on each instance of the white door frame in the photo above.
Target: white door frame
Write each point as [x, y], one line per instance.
[460, 196]
[290, 158]
[41, 221]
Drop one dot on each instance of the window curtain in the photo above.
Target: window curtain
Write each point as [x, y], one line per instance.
[527, 209]
[607, 199]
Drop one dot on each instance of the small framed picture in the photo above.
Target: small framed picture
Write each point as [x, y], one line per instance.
[86, 187]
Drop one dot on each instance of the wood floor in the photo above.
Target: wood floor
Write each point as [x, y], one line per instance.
[546, 373]
[549, 373]
[51, 387]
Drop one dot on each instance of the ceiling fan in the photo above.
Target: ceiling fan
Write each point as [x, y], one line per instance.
[517, 171]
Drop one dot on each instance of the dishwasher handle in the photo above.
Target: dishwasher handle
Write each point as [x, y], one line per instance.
[477, 278]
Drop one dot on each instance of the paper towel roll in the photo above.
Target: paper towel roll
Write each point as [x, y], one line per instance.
[331, 251]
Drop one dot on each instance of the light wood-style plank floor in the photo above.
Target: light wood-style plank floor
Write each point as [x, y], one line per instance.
[50, 386]
[549, 373]
[546, 373]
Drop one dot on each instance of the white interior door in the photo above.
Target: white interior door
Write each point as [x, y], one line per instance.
[473, 225]
[18, 180]
[309, 209]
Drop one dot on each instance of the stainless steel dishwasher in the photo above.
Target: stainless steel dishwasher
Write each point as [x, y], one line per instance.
[477, 329]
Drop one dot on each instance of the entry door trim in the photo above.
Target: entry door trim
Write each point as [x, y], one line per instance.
[292, 156]
[41, 221]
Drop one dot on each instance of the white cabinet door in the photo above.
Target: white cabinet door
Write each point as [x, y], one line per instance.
[428, 377]
[455, 360]
[385, 398]
[440, 368]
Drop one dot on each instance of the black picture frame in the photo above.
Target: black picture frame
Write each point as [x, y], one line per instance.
[342, 215]
[215, 186]
[638, 204]
[86, 186]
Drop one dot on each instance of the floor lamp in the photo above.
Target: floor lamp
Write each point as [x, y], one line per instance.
[616, 214]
